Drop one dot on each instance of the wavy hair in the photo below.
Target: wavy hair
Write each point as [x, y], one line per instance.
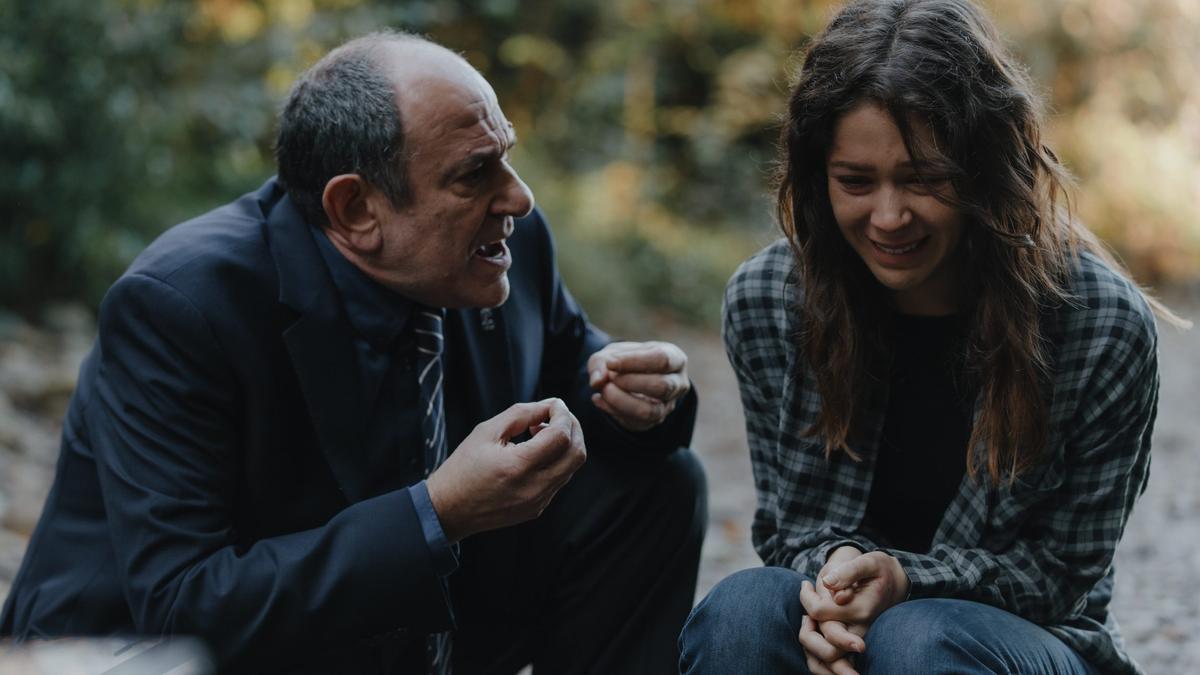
[939, 63]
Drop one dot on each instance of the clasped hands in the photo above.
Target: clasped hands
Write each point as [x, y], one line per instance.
[853, 588]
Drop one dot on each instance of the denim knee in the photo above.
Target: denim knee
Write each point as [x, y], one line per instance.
[747, 621]
[908, 637]
[944, 635]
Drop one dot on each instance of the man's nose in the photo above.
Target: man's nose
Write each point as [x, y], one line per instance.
[514, 199]
[890, 212]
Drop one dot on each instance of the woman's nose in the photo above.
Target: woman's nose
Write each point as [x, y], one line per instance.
[889, 212]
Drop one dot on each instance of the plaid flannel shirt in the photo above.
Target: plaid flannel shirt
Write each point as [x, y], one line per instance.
[1041, 548]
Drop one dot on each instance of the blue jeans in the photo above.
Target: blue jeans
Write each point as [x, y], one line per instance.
[749, 623]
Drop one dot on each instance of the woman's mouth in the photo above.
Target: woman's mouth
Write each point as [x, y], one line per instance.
[899, 249]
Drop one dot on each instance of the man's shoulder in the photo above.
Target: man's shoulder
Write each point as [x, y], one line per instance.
[222, 251]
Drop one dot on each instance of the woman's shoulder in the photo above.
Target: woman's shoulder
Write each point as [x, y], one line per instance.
[759, 308]
[763, 286]
[1106, 305]
[1106, 329]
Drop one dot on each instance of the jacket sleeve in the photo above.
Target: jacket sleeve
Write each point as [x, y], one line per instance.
[795, 525]
[570, 340]
[165, 432]
[1077, 511]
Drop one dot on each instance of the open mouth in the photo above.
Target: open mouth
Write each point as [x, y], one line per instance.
[492, 250]
[495, 253]
[903, 249]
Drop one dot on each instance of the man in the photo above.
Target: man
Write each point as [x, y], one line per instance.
[243, 458]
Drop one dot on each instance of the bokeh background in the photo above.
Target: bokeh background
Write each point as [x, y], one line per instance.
[647, 134]
[647, 128]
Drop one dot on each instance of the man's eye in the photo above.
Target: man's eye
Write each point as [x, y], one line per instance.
[473, 176]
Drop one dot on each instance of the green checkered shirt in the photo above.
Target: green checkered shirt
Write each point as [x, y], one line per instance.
[1041, 548]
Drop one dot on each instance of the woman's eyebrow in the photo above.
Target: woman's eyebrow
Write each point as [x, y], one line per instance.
[853, 166]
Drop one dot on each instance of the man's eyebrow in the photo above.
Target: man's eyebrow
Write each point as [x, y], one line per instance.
[477, 157]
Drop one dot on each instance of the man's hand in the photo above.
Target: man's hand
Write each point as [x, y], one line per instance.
[638, 383]
[828, 645]
[489, 483]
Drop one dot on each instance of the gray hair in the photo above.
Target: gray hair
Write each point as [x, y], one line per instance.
[341, 117]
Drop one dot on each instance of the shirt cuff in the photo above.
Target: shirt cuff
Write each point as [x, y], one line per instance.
[444, 554]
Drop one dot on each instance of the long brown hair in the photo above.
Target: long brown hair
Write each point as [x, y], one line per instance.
[939, 63]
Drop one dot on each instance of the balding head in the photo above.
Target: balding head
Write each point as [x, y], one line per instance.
[345, 115]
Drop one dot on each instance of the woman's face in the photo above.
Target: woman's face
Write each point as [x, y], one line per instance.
[905, 235]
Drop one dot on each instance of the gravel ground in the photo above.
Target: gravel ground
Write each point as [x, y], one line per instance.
[1158, 561]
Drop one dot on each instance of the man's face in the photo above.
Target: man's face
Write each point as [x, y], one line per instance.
[446, 247]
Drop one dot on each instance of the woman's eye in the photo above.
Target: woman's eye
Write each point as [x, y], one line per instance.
[854, 182]
[927, 184]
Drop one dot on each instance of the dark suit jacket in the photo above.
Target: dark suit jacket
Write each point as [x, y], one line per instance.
[214, 479]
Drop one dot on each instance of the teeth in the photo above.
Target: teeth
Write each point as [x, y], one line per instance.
[898, 251]
[490, 250]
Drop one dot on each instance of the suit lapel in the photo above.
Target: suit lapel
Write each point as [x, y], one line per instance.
[321, 346]
[480, 359]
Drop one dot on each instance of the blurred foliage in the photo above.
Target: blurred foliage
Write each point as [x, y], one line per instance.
[647, 128]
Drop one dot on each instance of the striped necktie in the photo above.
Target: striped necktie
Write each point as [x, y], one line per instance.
[429, 378]
[429, 339]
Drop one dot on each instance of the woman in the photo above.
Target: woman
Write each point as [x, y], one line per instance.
[949, 386]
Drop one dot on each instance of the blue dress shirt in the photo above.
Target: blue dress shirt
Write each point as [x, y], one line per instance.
[386, 358]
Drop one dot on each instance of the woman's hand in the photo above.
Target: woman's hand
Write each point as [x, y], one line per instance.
[820, 653]
[829, 644]
[856, 590]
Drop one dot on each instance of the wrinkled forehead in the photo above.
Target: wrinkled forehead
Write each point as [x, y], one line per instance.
[437, 86]
[450, 103]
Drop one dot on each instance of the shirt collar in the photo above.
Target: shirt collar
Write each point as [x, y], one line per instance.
[378, 314]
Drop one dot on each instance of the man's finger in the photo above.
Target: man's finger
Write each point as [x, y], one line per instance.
[555, 437]
[565, 465]
[517, 419]
[666, 387]
[648, 410]
[653, 359]
[597, 364]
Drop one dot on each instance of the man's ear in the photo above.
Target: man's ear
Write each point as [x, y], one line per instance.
[352, 221]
